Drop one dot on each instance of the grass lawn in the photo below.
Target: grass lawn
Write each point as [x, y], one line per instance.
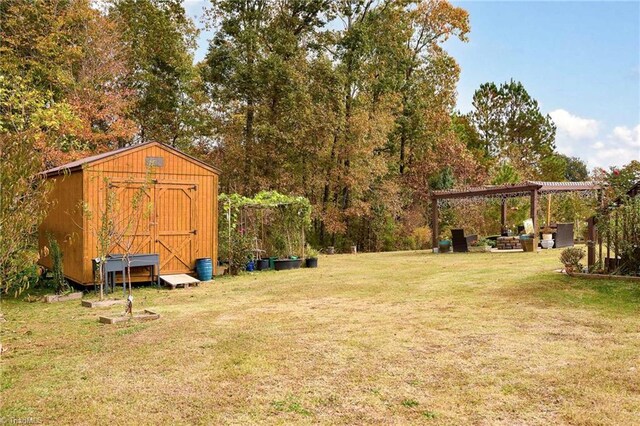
[394, 338]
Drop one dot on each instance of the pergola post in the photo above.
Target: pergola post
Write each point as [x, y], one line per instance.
[534, 210]
[434, 223]
[591, 242]
[503, 216]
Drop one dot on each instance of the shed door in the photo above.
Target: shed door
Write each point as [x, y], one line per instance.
[131, 221]
[175, 220]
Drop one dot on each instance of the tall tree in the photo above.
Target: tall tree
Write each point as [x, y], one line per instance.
[231, 71]
[99, 96]
[71, 55]
[338, 111]
[22, 190]
[553, 168]
[160, 39]
[257, 74]
[576, 170]
[512, 127]
[429, 75]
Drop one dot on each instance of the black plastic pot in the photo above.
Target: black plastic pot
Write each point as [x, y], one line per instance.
[284, 264]
[262, 264]
[311, 262]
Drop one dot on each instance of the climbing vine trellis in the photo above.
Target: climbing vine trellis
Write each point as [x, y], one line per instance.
[618, 228]
[268, 223]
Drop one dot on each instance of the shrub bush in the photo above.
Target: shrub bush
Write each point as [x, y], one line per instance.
[571, 256]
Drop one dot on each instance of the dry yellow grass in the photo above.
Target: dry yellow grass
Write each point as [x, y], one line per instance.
[393, 338]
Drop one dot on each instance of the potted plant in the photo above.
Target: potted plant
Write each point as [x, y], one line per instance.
[284, 264]
[311, 261]
[528, 242]
[444, 246]
[547, 238]
[286, 261]
[570, 258]
[444, 243]
[262, 264]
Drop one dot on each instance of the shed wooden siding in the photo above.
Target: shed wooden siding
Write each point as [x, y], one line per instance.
[64, 222]
[182, 225]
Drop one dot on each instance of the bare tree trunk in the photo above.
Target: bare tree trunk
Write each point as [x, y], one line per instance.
[248, 147]
[327, 188]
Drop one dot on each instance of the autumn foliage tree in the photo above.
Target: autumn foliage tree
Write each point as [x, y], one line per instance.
[159, 39]
[349, 103]
[354, 115]
[22, 190]
[71, 55]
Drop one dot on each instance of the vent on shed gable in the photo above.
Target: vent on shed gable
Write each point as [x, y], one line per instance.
[154, 161]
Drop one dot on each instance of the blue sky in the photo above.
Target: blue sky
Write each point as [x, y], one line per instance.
[580, 60]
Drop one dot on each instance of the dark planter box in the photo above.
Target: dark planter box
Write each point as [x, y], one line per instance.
[311, 262]
[284, 264]
[262, 264]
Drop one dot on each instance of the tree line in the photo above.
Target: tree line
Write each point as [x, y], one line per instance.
[350, 103]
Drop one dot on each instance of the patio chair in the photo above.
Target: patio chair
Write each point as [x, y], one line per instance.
[460, 241]
[564, 235]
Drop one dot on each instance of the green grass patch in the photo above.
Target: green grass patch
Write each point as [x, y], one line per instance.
[409, 403]
[612, 296]
[429, 415]
[290, 405]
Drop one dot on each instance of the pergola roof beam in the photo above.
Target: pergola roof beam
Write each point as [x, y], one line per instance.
[496, 190]
[486, 191]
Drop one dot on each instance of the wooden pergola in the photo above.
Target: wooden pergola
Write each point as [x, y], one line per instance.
[532, 189]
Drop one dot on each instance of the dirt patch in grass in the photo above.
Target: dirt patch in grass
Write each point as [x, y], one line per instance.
[401, 338]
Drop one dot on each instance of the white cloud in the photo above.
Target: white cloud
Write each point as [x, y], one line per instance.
[617, 148]
[629, 136]
[580, 137]
[573, 126]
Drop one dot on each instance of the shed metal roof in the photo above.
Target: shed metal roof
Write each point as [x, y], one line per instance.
[79, 164]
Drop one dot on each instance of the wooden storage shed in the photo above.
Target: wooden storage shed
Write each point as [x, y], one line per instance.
[178, 195]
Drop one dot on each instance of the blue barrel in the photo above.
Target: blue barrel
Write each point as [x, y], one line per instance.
[204, 268]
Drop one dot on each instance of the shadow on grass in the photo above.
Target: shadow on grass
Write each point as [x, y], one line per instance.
[552, 288]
